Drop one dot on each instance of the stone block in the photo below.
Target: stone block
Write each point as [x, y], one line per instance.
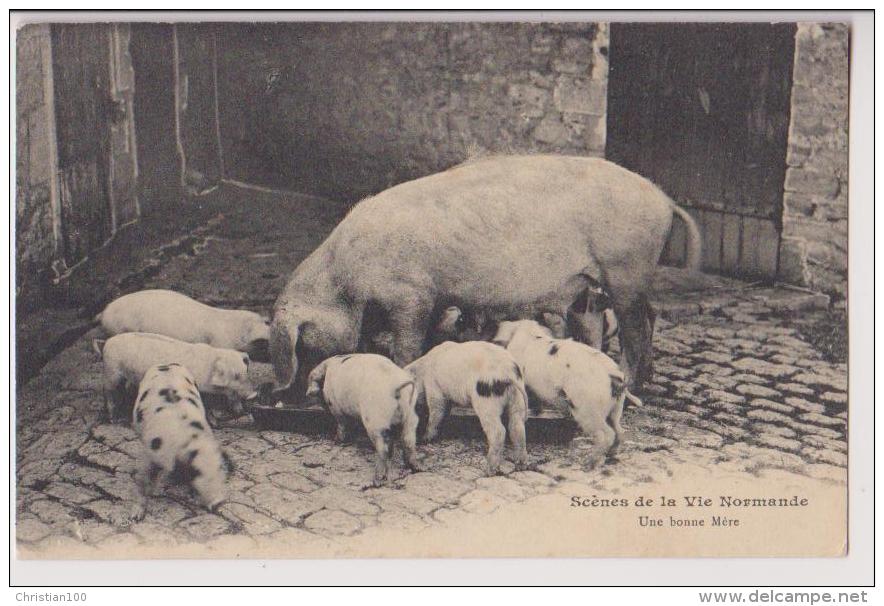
[30, 529]
[253, 522]
[778, 442]
[768, 416]
[580, 96]
[772, 405]
[435, 487]
[825, 456]
[332, 523]
[529, 100]
[578, 48]
[205, 526]
[293, 481]
[763, 368]
[282, 504]
[543, 43]
[758, 391]
[811, 181]
[834, 398]
[481, 501]
[570, 66]
[506, 488]
[551, 131]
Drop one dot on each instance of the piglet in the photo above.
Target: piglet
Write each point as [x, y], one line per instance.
[170, 420]
[574, 376]
[484, 376]
[374, 390]
[129, 355]
[178, 316]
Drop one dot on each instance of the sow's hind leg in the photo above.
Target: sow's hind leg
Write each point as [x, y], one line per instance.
[632, 310]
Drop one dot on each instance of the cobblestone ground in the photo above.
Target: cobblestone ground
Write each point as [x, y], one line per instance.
[737, 390]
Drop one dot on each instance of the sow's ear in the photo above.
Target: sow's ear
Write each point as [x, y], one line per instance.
[284, 337]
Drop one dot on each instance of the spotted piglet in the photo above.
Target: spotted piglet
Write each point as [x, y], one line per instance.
[374, 390]
[573, 376]
[484, 376]
[170, 419]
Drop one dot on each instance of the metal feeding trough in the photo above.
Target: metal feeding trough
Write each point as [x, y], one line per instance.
[547, 425]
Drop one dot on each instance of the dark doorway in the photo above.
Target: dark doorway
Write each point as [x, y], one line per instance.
[703, 111]
[159, 168]
[198, 114]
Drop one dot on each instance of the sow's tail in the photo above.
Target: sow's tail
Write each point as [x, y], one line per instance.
[695, 243]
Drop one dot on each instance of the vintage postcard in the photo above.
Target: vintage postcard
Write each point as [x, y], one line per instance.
[424, 288]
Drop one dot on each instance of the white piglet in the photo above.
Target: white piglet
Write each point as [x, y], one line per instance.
[573, 376]
[169, 313]
[484, 376]
[374, 390]
[129, 355]
[179, 446]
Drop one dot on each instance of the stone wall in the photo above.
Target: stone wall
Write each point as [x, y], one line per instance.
[814, 246]
[347, 109]
[36, 241]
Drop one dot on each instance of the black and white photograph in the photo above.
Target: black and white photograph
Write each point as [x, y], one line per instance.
[426, 288]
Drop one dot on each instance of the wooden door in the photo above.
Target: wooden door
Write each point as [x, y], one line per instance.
[122, 154]
[80, 60]
[703, 111]
[95, 133]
